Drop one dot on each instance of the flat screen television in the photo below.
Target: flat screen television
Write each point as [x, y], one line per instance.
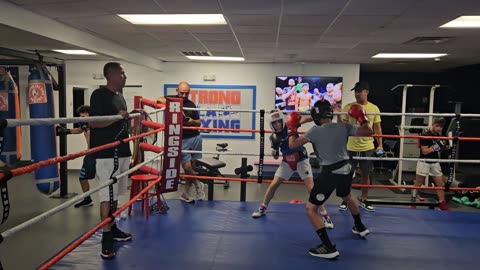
[299, 93]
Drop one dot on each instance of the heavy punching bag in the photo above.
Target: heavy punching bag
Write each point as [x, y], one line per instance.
[9, 109]
[42, 137]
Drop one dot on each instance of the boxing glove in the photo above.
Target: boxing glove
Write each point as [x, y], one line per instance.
[59, 130]
[357, 112]
[84, 126]
[438, 146]
[293, 122]
[276, 139]
[275, 153]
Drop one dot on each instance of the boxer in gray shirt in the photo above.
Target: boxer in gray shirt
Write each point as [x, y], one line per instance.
[330, 144]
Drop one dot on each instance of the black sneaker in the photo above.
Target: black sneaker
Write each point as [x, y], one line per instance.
[325, 252]
[360, 230]
[86, 202]
[119, 235]
[367, 206]
[107, 246]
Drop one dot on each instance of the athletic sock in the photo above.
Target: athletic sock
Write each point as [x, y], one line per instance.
[322, 233]
[358, 221]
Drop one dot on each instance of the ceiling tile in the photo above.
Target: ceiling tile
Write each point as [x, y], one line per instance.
[251, 6]
[190, 6]
[309, 7]
[253, 20]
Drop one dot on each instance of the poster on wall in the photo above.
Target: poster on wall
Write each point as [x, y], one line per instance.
[229, 98]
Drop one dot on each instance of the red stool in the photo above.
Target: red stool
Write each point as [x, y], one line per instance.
[139, 182]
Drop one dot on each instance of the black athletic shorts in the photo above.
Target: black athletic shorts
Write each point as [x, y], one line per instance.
[88, 168]
[326, 182]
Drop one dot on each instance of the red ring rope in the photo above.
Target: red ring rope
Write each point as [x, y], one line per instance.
[85, 236]
[233, 179]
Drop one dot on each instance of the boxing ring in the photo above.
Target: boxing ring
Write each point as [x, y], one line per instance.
[222, 235]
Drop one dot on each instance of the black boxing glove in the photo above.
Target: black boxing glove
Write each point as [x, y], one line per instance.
[275, 153]
[59, 130]
[84, 126]
[276, 139]
[438, 146]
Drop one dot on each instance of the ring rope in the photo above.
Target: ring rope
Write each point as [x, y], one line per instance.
[357, 158]
[373, 135]
[222, 110]
[156, 111]
[419, 159]
[8, 233]
[53, 121]
[55, 160]
[88, 234]
[233, 179]
[344, 113]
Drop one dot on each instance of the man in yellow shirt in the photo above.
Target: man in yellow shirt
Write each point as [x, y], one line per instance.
[364, 146]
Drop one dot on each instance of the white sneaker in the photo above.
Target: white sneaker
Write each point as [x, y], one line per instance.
[327, 221]
[200, 189]
[184, 197]
[360, 231]
[342, 206]
[259, 212]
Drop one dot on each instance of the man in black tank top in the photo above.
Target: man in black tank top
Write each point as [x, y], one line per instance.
[431, 149]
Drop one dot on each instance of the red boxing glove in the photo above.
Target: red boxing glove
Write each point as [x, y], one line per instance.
[357, 112]
[293, 122]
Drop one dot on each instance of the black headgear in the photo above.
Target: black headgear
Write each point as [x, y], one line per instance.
[321, 109]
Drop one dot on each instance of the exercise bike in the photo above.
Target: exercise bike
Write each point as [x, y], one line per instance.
[211, 166]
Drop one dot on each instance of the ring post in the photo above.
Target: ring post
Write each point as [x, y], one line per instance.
[210, 185]
[62, 111]
[453, 153]
[262, 146]
[243, 172]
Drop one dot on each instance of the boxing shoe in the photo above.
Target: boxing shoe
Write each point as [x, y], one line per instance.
[259, 212]
[327, 221]
[360, 230]
[444, 206]
[323, 251]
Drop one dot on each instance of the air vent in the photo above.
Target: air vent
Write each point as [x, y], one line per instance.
[196, 53]
[428, 40]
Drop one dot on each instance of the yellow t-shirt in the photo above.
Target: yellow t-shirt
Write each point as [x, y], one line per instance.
[360, 144]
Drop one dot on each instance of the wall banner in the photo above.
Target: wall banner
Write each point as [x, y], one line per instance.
[228, 97]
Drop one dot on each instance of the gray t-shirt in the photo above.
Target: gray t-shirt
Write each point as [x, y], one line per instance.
[330, 141]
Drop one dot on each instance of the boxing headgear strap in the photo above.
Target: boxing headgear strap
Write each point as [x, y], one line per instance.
[321, 109]
[274, 117]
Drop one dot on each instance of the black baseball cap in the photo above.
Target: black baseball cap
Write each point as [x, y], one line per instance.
[359, 86]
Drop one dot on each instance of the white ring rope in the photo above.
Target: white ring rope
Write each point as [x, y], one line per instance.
[420, 159]
[52, 121]
[357, 158]
[223, 110]
[342, 113]
[10, 232]
[156, 111]
[220, 153]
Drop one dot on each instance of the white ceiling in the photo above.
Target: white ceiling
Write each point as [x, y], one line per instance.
[268, 31]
